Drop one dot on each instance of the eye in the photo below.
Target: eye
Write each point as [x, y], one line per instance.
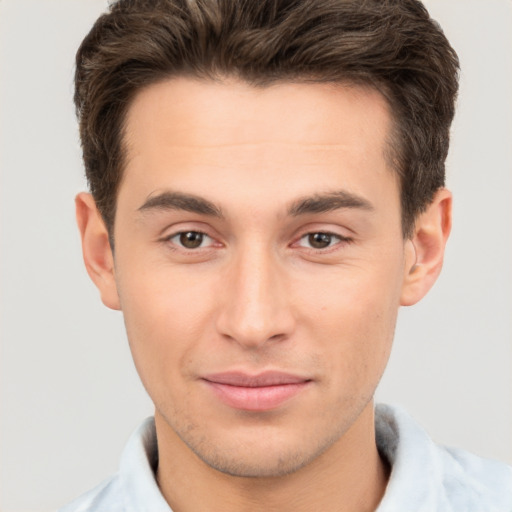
[191, 239]
[320, 240]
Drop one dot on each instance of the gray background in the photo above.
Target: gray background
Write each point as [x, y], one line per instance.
[69, 393]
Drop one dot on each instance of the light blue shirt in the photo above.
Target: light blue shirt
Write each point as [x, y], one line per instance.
[424, 477]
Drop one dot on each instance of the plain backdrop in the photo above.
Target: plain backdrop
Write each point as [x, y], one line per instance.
[70, 396]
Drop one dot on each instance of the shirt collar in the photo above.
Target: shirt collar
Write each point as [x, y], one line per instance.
[137, 471]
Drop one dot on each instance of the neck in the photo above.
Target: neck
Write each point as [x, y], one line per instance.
[349, 476]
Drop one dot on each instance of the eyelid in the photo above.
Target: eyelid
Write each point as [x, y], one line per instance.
[342, 241]
[343, 232]
[179, 233]
[176, 230]
[181, 226]
[332, 235]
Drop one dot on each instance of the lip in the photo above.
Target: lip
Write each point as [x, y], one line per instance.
[262, 392]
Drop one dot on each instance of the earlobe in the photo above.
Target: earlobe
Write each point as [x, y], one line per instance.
[96, 250]
[425, 249]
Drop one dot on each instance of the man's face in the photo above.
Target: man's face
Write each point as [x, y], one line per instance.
[259, 263]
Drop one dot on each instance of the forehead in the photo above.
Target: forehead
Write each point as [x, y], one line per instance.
[207, 137]
[200, 112]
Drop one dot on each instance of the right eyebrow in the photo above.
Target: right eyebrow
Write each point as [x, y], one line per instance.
[180, 201]
[321, 203]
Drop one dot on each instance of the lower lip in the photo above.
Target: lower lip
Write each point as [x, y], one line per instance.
[262, 398]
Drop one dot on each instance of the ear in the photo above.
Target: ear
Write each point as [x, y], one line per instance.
[96, 250]
[425, 249]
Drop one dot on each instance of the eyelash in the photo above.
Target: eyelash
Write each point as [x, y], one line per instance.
[180, 245]
[341, 240]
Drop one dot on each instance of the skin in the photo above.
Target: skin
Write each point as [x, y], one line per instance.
[256, 295]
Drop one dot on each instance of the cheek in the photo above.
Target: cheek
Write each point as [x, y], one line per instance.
[358, 315]
[166, 314]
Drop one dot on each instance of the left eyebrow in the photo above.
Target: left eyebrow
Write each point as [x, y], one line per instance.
[321, 203]
[179, 201]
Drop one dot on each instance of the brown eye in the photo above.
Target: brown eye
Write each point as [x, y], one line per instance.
[320, 240]
[191, 239]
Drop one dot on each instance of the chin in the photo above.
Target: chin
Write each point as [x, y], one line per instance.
[264, 454]
[254, 465]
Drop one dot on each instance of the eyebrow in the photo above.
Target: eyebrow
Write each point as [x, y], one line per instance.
[318, 203]
[181, 201]
[321, 203]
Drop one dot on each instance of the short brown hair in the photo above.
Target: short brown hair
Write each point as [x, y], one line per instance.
[391, 45]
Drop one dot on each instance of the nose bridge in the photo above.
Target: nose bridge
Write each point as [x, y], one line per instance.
[256, 309]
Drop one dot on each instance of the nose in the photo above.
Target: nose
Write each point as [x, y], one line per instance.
[255, 305]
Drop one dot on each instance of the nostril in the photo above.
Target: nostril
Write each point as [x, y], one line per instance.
[277, 337]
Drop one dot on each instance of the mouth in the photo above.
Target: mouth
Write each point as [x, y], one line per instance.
[261, 392]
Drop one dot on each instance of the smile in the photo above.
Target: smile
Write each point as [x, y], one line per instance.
[261, 392]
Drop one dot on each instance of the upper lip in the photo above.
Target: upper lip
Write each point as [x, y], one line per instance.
[267, 378]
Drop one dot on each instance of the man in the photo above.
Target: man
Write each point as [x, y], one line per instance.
[267, 188]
